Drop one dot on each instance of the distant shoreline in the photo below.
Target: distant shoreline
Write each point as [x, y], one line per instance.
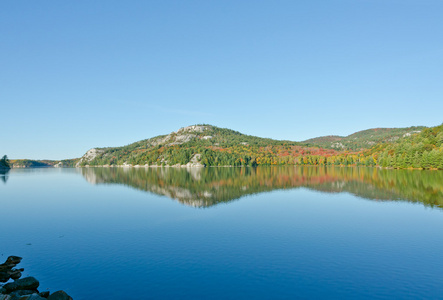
[202, 167]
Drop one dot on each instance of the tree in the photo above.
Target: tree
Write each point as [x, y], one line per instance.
[4, 162]
[440, 166]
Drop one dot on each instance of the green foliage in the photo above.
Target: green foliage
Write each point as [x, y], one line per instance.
[423, 150]
[363, 139]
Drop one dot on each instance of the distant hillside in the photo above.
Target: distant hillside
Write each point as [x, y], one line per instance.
[363, 139]
[29, 163]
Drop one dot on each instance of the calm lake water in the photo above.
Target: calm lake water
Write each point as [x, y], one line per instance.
[226, 233]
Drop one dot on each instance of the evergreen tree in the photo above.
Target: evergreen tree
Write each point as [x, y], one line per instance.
[440, 166]
[433, 159]
[4, 162]
[425, 160]
[416, 163]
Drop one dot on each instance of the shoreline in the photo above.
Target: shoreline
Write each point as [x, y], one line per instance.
[199, 166]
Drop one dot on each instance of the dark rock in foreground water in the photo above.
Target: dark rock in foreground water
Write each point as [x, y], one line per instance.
[6, 269]
[59, 295]
[44, 294]
[25, 288]
[28, 283]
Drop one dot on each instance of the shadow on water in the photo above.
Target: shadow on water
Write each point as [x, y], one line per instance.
[4, 175]
[204, 187]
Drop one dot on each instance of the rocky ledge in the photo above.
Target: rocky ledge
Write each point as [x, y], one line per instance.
[25, 288]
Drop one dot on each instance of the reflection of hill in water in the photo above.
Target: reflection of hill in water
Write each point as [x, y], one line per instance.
[203, 187]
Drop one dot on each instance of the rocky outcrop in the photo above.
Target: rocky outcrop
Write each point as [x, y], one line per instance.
[25, 288]
[195, 162]
[411, 133]
[89, 156]
[181, 136]
[195, 128]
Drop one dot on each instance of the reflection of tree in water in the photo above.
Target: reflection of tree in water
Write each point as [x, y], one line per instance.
[202, 187]
[4, 175]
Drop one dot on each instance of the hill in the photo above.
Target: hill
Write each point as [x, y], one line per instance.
[202, 145]
[29, 163]
[364, 139]
[206, 145]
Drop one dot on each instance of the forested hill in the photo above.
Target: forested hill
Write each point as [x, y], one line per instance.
[202, 144]
[206, 145]
[364, 139]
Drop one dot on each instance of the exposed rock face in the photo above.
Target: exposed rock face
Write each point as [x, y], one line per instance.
[195, 128]
[181, 136]
[337, 145]
[181, 139]
[89, 156]
[195, 161]
[411, 133]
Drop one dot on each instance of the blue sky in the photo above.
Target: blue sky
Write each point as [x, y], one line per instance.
[82, 74]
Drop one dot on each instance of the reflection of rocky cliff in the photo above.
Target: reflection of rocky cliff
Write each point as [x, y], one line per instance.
[209, 186]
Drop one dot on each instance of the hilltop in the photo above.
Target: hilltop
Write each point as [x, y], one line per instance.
[364, 139]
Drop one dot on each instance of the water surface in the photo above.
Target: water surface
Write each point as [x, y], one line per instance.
[225, 233]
